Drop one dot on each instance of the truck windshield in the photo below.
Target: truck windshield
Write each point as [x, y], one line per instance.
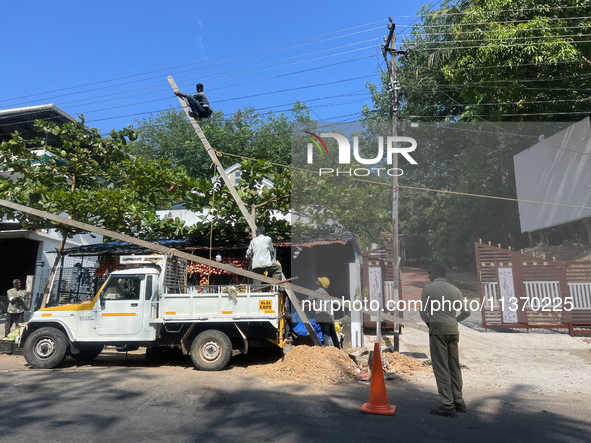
[122, 288]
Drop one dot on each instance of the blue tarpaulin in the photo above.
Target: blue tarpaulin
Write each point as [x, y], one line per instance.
[300, 329]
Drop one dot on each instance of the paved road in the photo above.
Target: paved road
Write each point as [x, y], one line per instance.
[116, 399]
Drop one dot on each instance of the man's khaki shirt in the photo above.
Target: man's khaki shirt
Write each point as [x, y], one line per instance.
[443, 319]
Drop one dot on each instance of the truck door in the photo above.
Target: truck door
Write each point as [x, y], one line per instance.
[121, 306]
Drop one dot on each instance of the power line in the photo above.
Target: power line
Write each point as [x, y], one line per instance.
[352, 94]
[218, 73]
[507, 115]
[444, 44]
[281, 75]
[243, 83]
[496, 11]
[465, 194]
[503, 22]
[518, 80]
[510, 66]
[513, 44]
[194, 63]
[497, 30]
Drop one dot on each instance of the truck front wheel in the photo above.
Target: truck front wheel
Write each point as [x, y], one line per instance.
[45, 348]
[211, 350]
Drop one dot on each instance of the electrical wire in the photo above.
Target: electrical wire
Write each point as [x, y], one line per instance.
[511, 66]
[492, 30]
[241, 83]
[183, 83]
[499, 39]
[502, 22]
[193, 63]
[466, 194]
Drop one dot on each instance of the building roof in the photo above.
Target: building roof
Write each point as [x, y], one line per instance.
[121, 247]
[23, 119]
[124, 248]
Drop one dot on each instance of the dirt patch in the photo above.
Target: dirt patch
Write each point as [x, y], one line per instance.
[430, 363]
[566, 252]
[403, 364]
[312, 364]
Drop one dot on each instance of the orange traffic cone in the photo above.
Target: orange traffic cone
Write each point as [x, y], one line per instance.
[378, 397]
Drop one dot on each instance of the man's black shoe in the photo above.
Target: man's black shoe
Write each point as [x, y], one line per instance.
[461, 409]
[443, 412]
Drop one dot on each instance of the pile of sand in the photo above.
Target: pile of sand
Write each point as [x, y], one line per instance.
[306, 364]
[403, 364]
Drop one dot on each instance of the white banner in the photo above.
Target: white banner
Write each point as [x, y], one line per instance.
[507, 295]
[375, 287]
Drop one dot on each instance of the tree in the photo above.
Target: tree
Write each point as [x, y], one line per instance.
[494, 61]
[261, 143]
[336, 202]
[224, 221]
[92, 179]
[245, 134]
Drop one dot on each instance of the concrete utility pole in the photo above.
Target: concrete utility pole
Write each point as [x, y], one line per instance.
[390, 47]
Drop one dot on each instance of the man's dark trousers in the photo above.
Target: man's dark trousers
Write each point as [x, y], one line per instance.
[13, 319]
[446, 367]
[273, 271]
[197, 108]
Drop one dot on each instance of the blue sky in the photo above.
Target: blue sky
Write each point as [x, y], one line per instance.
[109, 60]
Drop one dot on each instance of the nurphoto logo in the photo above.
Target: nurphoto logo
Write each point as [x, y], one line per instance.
[392, 147]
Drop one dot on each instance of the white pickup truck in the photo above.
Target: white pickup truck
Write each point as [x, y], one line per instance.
[148, 305]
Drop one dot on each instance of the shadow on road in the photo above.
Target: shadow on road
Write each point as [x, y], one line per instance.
[119, 399]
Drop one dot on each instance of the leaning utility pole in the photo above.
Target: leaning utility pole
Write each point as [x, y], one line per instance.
[241, 206]
[216, 161]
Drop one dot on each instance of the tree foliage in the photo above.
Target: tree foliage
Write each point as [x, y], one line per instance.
[91, 179]
[224, 222]
[245, 134]
[483, 61]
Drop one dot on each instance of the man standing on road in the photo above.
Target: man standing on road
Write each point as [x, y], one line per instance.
[437, 311]
[198, 103]
[261, 252]
[16, 306]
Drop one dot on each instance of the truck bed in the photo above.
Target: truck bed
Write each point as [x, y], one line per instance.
[231, 303]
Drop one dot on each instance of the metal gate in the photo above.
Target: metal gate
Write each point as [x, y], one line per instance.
[523, 291]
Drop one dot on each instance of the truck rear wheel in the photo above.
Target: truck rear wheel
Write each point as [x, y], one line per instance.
[211, 350]
[87, 353]
[45, 348]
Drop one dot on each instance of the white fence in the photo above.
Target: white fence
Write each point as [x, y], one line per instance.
[542, 294]
[581, 294]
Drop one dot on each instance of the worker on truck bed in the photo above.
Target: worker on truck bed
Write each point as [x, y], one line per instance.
[198, 103]
[261, 252]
